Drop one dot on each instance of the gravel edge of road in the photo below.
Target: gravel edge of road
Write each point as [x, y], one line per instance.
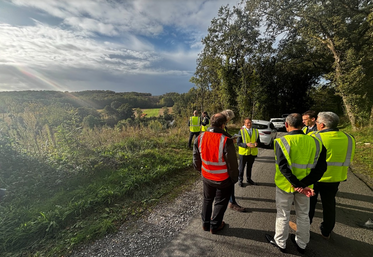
[151, 233]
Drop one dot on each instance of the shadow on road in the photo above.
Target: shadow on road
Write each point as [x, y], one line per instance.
[266, 159]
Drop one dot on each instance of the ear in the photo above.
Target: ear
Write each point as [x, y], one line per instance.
[286, 124]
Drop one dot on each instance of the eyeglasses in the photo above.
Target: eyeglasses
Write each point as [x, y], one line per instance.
[318, 122]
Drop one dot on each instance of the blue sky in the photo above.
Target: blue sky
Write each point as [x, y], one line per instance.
[148, 46]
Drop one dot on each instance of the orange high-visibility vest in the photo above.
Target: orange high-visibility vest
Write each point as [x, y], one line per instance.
[211, 147]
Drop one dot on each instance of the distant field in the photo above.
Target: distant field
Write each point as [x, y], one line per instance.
[155, 112]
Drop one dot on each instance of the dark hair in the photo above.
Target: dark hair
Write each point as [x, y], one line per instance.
[247, 118]
[218, 119]
[294, 120]
[311, 113]
[205, 113]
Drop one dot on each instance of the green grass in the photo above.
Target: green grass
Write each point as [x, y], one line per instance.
[363, 159]
[151, 112]
[50, 210]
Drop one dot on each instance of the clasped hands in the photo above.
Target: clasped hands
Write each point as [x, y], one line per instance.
[252, 145]
[306, 191]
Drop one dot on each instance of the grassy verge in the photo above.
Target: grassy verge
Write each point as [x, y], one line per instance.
[363, 160]
[50, 209]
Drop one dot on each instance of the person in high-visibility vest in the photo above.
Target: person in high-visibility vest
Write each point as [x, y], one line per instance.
[247, 151]
[340, 148]
[194, 127]
[300, 161]
[309, 121]
[205, 122]
[214, 155]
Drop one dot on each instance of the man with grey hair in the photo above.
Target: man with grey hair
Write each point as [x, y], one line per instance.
[300, 162]
[340, 148]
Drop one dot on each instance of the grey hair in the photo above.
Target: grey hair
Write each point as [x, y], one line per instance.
[294, 120]
[228, 113]
[329, 119]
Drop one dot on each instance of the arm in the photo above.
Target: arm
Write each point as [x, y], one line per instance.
[231, 160]
[318, 171]
[240, 142]
[284, 168]
[197, 162]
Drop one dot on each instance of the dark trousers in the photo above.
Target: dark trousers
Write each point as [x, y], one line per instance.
[191, 134]
[248, 161]
[221, 197]
[327, 193]
[232, 199]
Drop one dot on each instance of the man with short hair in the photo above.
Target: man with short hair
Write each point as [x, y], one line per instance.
[247, 151]
[194, 127]
[309, 121]
[214, 155]
[300, 161]
[340, 148]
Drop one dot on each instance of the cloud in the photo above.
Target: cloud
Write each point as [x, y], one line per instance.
[43, 46]
[94, 44]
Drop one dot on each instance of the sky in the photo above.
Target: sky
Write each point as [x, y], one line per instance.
[148, 46]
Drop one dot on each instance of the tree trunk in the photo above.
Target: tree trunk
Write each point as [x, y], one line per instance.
[338, 79]
[349, 112]
[371, 117]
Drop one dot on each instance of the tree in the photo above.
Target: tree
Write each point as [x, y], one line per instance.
[125, 112]
[344, 29]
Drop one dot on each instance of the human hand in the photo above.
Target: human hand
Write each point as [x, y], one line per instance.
[309, 192]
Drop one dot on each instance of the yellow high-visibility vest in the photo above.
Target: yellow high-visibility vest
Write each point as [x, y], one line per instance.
[302, 153]
[247, 139]
[340, 148]
[204, 128]
[194, 124]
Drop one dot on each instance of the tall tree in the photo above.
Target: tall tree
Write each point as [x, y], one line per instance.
[344, 28]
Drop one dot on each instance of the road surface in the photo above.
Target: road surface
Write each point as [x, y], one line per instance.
[244, 232]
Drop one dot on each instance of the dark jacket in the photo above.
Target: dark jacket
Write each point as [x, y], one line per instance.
[230, 157]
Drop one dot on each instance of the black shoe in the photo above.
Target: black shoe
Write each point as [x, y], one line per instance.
[240, 183]
[300, 250]
[252, 182]
[326, 237]
[272, 241]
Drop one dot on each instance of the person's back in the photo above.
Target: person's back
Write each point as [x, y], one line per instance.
[339, 145]
[301, 150]
[340, 148]
[300, 162]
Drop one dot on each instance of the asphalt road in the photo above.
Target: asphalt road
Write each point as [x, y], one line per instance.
[244, 232]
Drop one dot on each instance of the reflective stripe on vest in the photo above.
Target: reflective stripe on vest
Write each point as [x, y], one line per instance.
[211, 147]
[304, 129]
[301, 158]
[194, 124]
[303, 166]
[247, 139]
[347, 161]
[339, 154]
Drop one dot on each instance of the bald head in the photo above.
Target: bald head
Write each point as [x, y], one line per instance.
[218, 120]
